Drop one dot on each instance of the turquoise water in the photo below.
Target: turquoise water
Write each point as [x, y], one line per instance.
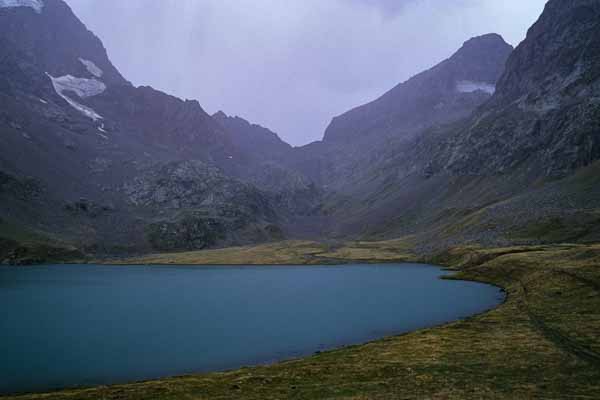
[81, 325]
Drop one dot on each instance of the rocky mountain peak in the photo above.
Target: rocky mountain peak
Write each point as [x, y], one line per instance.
[447, 92]
[482, 46]
[220, 115]
[52, 39]
[480, 59]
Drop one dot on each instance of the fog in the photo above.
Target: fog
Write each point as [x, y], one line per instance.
[291, 65]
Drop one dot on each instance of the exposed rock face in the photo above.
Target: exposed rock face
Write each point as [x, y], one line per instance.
[23, 189]
[196, 206]
[192, 185]
[546, 112]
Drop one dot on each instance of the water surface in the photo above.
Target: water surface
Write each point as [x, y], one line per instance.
[81, 325]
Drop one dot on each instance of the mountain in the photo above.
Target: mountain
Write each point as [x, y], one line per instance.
[253, 139]
[520, 169]
[81, 146]
[446, 93]
[295, 195]
[546, 110]
[493, 146]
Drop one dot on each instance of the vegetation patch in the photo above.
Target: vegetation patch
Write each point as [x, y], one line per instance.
[22, 246]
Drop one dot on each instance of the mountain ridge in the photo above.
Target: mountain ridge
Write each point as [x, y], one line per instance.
[476, 149]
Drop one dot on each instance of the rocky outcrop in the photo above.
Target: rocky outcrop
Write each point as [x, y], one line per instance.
[196, 206]
[24, 189]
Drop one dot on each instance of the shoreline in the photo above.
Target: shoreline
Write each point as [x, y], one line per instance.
[372, 338]
[502, 268]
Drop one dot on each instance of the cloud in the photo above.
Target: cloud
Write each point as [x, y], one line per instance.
[387, 7]
[291, 65]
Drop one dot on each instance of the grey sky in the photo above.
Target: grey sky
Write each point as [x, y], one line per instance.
[291, 65]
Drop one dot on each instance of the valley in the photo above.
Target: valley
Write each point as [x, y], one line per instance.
[489, 143]
[487, 164]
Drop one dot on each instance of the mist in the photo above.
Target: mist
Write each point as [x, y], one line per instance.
[291, 65]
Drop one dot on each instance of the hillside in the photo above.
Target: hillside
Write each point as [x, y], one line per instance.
[491, 146]
[86, 144]
[518, 162]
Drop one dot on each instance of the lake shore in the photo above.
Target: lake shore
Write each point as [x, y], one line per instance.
[291, 252]
[550, 318]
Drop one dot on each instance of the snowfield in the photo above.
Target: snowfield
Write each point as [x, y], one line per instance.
[92, 68]
[37, 5]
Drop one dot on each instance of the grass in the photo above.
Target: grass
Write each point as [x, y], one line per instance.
[570, 228]
[23, 235]
[542, 343]
[294, 252]
[19, 245]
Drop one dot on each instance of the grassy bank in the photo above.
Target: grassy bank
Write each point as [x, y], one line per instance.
[543, 342]
[23, 246]
[293, 252]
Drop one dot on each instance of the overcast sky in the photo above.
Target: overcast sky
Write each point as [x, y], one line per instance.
[291, 65]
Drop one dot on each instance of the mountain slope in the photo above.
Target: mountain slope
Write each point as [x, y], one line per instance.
[294, 195]
[546, 111]
[495, 173]
[446, 93]
[73, 125]
[254, 140]
[492, 146]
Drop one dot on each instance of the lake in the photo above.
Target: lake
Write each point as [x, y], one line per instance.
[82, 325]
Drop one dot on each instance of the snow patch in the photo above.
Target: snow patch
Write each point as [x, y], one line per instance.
[92, 68]
[81, 87]
[470, 87]
[37, 5]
